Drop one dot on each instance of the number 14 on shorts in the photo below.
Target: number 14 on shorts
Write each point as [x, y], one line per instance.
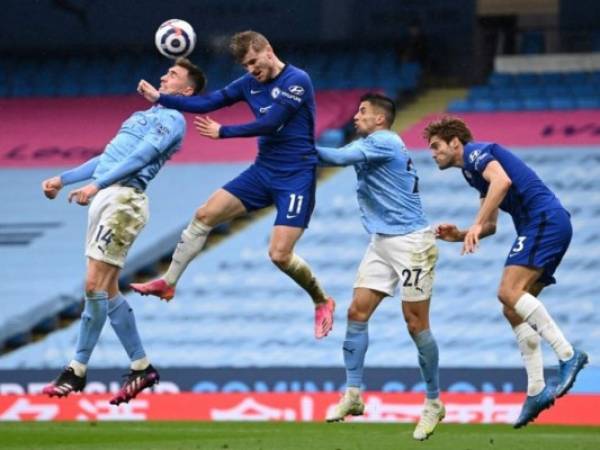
[103, 237]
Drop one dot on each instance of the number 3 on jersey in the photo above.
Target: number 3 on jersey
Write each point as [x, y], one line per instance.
[295, 205]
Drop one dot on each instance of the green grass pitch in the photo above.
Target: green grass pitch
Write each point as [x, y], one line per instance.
[287, 436]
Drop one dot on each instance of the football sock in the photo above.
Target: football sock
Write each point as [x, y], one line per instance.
[79, 368]
[531, 352]
[535, 314]
[192, 241]
[428, 362]
[92, 320]
[140, 364]
[355, 347]
[299, 271]
[122, 321]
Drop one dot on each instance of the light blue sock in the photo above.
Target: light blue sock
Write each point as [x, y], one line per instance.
[122, 320]
[428, 362]
[355, 348]
[92, 320]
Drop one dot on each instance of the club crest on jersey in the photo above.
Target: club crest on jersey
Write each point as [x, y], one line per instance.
[296, 90]
[473, 156]
[275, 92]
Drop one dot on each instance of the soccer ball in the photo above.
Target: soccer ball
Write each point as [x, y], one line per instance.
[175, 38]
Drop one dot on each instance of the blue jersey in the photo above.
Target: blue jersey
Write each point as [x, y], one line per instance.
[160, 128]
[527, 196]
[388, 186]
[284, 108]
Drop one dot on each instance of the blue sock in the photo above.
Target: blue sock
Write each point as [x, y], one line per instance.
[92, 320]
[122, 320]
[428, 362]
[355, 348]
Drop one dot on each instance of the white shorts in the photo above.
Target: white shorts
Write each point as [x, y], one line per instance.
[116, 216]
[409, 259]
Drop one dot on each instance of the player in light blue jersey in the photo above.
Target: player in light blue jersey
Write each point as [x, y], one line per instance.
[282, 99]
[117, 214]
[544, 232]
[402, 250]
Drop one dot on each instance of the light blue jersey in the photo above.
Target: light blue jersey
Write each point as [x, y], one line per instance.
[388, 186]
[157, 128]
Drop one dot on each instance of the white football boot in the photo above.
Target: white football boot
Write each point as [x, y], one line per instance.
[351, 404]
[432, 414]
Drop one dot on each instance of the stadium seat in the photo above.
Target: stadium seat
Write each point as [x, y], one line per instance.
[561, 103]
[459, 106]
[484, 105]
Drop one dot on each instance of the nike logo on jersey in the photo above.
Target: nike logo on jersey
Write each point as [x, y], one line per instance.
[254, 92]
[291, 216]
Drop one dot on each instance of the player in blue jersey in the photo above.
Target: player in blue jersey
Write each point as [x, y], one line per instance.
[282, 99]
[543, 235]
[402, 250]
[117, 214]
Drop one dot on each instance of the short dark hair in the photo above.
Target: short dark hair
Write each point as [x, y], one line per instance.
[195, 74]
[242, 42]
[448, 128]
[382, 102]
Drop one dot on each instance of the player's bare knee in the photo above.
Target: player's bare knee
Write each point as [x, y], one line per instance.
[414, 324]
[205, 215]
[357, 314]
[92, 285]
[280, 258]
[508, 295]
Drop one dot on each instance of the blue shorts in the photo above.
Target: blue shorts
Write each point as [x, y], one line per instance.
[292, 193]
[542, 243]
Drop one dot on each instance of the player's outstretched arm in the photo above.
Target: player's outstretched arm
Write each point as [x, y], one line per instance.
[194, 104]
[52, 186]
[344, 156]
[139, 158]
[197, 103]
[265, 125]
[143, 155]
